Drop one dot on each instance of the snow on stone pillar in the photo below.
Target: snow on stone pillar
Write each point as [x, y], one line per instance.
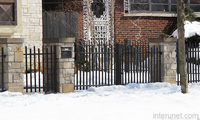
[168, 58]
[13, 64]
[65, 62]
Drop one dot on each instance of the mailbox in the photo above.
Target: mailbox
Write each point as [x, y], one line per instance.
[66, 52]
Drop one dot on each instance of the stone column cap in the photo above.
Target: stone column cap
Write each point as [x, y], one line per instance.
[162, 40]
[11, 40]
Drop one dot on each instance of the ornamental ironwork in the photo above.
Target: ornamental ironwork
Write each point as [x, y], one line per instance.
[97, 20]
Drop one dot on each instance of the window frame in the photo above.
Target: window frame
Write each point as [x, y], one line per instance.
[14, 22]
[129, 12]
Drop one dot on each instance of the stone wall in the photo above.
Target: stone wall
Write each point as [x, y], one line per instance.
[29, 23]
[13, 64]
[65, 66]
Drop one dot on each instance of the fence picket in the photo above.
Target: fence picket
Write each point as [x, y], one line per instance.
[39, 69]
[2, 82]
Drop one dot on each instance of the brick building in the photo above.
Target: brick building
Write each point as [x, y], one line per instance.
[113, 20]
[108, 20]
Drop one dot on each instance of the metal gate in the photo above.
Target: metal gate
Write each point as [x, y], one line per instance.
[119, 64]
[40, 70]
[192, 52]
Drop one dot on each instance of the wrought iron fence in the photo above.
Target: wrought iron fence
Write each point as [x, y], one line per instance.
[192, 62]
[40, 70]
[94, 65]
[123, 63]
[140, 63]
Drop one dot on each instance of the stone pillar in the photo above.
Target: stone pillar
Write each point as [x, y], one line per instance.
[65, 62]
[168, 58]
[13, 64]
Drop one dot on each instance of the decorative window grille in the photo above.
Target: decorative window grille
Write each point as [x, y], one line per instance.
[52, 5]
[97, 20]
[157, 5]
[8, 12]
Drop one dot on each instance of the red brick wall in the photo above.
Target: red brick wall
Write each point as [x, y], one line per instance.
[134, 28]
[140, 28]
[80, 25]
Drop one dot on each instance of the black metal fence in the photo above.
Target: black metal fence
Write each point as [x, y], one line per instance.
[40, 70]
[120, 64]
[193, 62]
[2, 82]
[94, 65]
[139, 63]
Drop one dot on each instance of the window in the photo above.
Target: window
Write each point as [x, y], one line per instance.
[8, 12]
[52, 5]
[195, 5]
[165, 6]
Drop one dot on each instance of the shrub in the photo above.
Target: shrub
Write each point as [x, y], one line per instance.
[189, 14]
[193, 39]
[163, 35]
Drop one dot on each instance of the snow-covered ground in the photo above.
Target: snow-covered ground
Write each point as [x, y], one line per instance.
[131, 102]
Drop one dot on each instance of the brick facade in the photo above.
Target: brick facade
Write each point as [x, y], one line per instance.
[80, 25]
[128, 27]
[140, 28]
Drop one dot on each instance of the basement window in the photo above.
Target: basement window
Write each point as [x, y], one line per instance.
[8, 12]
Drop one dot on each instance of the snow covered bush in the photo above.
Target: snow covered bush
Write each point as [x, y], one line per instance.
[191, 29]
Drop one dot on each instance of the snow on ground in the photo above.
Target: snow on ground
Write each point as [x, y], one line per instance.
[33, 76]
[191, 28]
[131, 102]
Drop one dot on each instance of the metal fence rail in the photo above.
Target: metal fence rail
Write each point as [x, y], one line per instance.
[192, 61]
[40, 70]
[2, 82]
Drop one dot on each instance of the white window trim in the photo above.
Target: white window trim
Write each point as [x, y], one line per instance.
[153, 14]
